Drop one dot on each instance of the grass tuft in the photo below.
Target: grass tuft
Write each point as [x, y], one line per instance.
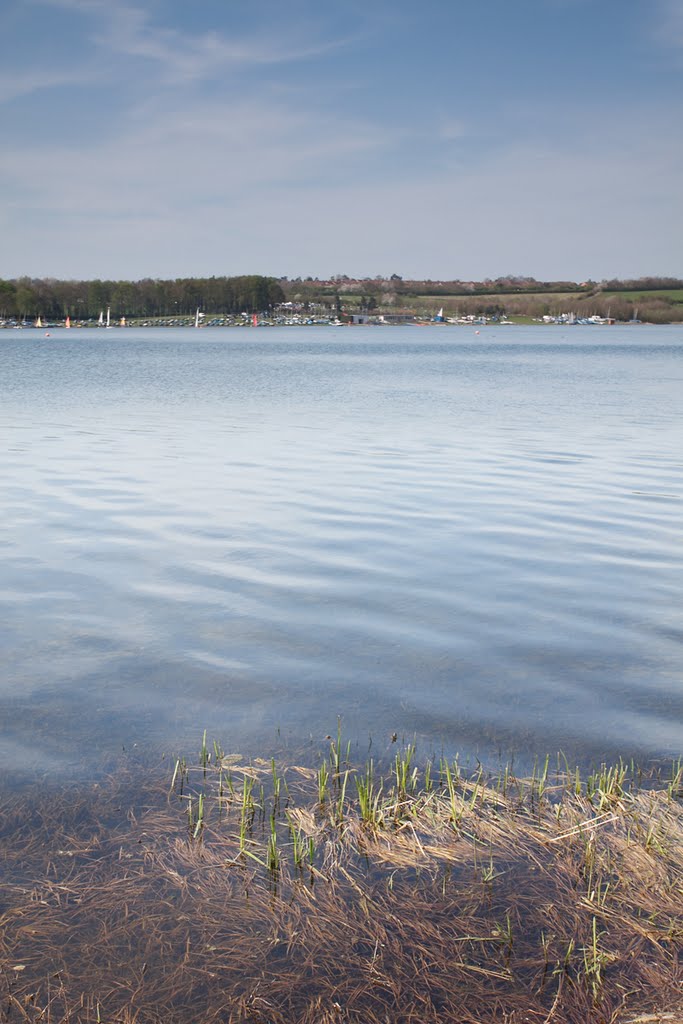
[260, 892]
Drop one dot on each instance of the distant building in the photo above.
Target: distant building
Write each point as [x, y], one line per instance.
[396, 318]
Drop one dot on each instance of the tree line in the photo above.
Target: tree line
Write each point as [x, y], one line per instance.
[508, 285]
[26, 297]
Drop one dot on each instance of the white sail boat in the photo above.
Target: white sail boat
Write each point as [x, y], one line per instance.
[100, 322]
[197, 317]
[108, 317]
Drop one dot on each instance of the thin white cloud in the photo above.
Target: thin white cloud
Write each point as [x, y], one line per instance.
[537, 210]
[200, 155]
[177, 202]
[29, 81]
[260, 177]
[128, 30]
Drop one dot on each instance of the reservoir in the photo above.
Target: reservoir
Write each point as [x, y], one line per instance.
[470, 541]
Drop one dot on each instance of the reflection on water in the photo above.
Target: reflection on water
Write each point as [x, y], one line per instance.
[471, 541]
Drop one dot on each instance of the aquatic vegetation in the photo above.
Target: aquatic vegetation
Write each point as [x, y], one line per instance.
[271, 893]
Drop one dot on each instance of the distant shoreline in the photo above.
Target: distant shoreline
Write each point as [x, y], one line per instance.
[231, 301]
[358, 321]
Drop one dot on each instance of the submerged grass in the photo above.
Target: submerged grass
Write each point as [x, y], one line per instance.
[265, 893]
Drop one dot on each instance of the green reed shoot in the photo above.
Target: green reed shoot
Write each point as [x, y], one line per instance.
[405, 780]
[589, 861]
[276, 783]
[452, 779]
[272, 852]
[599, 894]
[339, 815]
[200, 816]
[323, 780]
[247, 811]
[299, 850]
[543, 779]
[594, 961]
[179, 773]
[477, 788]
[369, 796]
[675, 787]
[336, 753]
[428, 784]
[652, 840]
[488, 871]
[606, 784]
[568, 955]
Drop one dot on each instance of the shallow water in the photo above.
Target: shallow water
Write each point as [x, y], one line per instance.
[471, 540]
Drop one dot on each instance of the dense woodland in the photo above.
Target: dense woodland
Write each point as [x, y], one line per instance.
[27, 297]
[655, 299]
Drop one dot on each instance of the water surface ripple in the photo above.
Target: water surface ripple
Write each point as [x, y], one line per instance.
[475, 541]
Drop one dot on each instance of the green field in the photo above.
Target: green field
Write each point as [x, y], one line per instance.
[502, 297]
[657, 305]
[676, 294]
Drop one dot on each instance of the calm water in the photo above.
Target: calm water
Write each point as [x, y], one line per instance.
[473, 540]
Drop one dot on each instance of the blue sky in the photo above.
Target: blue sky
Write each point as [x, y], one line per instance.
[434, 139]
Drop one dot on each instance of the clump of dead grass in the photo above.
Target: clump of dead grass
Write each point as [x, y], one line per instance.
[271, 894]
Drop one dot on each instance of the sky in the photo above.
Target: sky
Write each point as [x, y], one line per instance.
[435, 139]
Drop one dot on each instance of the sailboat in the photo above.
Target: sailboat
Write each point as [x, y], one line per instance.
[122, 322]
[100, 322]
[39, 322]
[197, 316]
[67, 322]
[108, 317]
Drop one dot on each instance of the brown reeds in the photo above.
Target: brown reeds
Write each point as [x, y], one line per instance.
[268, 895]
